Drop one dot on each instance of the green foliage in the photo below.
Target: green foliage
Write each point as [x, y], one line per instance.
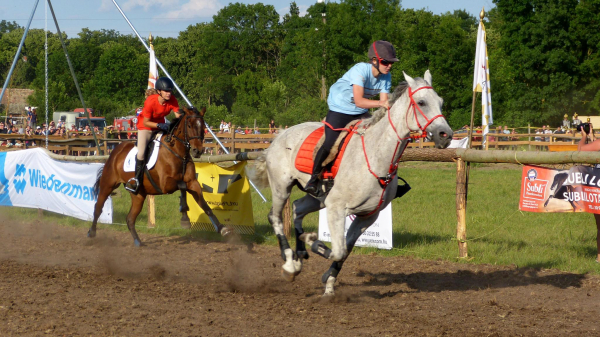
[251, 63]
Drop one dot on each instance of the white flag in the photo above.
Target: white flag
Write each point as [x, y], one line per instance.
[153, 75]
[481, 79]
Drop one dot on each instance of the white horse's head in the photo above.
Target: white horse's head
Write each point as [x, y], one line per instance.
[425, 111]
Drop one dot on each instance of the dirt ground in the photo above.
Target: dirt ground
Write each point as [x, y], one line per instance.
[55, 281]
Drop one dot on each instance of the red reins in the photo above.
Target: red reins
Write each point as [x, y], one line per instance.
[384, 181]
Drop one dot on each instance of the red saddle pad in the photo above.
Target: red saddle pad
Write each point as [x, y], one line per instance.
[304, 159]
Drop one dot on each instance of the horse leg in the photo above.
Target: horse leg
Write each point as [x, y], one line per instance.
[358, 226]
[103, 195]
[336, 220]
[292, 265]
[301, 208]
[196, 191]
[137, 202]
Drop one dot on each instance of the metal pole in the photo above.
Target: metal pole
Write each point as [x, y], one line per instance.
[12, 67]
[180, 92]
[87, 114]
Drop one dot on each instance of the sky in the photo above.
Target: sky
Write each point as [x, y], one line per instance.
[167, 18]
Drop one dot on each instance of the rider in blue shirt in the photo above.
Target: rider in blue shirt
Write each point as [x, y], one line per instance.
[349, 99]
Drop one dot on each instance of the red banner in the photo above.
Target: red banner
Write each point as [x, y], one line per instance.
[548, 190]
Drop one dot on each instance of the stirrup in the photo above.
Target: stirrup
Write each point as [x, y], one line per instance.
[130, 183]
[312, 186]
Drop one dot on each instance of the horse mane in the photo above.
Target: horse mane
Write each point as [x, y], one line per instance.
[393, 97]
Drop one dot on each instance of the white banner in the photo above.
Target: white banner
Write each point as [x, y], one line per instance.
[378, 235]
[459, 143]
[30, 178]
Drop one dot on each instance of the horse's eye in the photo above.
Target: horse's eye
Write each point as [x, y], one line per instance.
[421, 103]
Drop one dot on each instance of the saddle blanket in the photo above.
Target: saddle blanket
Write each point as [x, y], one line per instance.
[129, 165]
[305, 157]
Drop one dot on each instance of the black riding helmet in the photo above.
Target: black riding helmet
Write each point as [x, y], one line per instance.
[382, 50]
[164, 83]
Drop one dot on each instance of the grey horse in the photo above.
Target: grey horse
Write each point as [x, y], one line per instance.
[366, 180]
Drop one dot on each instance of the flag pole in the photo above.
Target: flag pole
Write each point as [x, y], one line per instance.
[462, 180]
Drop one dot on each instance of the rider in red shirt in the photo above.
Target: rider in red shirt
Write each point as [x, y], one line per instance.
[152, 118]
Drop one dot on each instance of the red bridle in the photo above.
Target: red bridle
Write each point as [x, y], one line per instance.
[415, 107]
[384, 181]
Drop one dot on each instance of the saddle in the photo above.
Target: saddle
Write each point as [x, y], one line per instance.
[150, 156]
[306, 155]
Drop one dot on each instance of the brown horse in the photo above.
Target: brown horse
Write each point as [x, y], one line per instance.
[174, 170]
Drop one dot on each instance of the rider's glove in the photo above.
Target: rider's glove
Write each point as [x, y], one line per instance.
[163, 126]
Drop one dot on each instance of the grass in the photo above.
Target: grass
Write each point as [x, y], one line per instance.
[424, 221]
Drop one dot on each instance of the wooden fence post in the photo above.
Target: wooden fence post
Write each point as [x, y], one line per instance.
[104, 134]
[151, 212]
[529, 137]
[461, 207]
[287, 219]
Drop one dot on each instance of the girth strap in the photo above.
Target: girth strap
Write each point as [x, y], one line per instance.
[152, 181]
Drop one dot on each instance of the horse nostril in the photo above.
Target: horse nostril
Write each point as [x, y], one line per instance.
[443, 135]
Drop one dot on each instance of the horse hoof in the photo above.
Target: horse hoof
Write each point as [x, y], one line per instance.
[308, 237]
[91, 234]
[288, 276]
[225, 232]
[137, 243]
[186, 224]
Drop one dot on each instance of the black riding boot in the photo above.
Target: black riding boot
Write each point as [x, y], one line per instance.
[312, 186]
[133, 184]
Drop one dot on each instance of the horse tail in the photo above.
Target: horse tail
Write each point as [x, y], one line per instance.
[258, 171]
[97, 183]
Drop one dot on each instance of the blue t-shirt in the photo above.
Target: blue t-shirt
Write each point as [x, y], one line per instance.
[341, 97]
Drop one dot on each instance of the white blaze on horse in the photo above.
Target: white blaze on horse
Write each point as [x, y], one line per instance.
[366, 179]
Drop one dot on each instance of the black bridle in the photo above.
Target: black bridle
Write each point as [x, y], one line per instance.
[185, 141]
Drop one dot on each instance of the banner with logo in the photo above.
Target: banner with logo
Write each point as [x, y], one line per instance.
[227, 192]
[378, 235]
[30, 178]
[549, 190]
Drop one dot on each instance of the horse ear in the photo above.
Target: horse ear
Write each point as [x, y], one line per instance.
[427, 77]
[203, 111]
[411, 82]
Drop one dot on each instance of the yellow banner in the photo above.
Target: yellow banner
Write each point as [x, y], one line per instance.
[227, 192]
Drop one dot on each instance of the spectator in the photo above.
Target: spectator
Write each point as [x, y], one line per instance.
[38, 130]
[34, 118]
[29, 117]
[272, 126]
[227, 127]
[538, 138]
[506, 131]
[87, 131]
[3, 130]
[566, 124]
[576, 121]
[247, 130]
[548, 132]
[239, 130]
[14, 131]
[256, 131]
[222, 126]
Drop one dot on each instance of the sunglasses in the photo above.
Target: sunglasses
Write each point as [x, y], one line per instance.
[385, 63]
